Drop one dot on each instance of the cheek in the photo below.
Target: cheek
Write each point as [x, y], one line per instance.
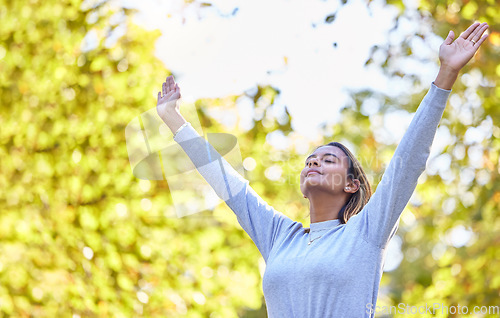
[337, 175]
[302, 174]
[332, 180]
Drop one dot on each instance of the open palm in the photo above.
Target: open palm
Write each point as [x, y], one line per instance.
[168, 98]
[456, 54]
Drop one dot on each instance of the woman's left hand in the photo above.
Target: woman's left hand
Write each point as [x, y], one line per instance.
[456, 54]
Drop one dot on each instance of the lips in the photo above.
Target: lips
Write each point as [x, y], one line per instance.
[312, 171]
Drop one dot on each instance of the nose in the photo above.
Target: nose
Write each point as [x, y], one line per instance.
[313, 161]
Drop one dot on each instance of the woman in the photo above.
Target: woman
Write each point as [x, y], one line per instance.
[334, 268]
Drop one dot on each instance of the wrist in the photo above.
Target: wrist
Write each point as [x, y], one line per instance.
[449, 70]
[180, 128]
[174, 120]
[446, 77]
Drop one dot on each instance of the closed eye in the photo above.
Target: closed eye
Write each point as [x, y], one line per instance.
[331, 161]
[325, 155]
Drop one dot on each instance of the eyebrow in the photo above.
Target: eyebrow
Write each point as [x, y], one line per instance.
[326, 154]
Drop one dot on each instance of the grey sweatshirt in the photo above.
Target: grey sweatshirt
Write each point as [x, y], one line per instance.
[338, 274]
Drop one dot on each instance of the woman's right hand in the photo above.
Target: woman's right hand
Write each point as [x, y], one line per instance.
[168, 99]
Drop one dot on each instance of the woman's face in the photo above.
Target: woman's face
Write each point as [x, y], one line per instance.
[331, 164]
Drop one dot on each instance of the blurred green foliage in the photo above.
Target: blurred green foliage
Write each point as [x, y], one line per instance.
[81, 236]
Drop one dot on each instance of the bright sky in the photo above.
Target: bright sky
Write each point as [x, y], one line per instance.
[213, 52]
[232, 46]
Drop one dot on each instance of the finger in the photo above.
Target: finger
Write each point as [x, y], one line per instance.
[163, 88]
[478, 44]
[159, 96]
[172, 82]
[469, 30]
[167, 84]
[449, 38]
[478, 32]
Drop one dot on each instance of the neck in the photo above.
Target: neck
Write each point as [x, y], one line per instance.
[325, 206]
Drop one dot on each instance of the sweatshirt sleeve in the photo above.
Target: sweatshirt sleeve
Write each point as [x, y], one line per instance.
[380, 217]
[257, 218]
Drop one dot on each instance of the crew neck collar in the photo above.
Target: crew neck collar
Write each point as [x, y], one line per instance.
[325, 225]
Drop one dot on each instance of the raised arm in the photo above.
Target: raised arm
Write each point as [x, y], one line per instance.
[261, 221]
[380, 216]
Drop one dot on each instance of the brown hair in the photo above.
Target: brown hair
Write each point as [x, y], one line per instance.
[360, 198]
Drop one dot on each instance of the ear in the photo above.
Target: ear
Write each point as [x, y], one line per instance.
[352, 186]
